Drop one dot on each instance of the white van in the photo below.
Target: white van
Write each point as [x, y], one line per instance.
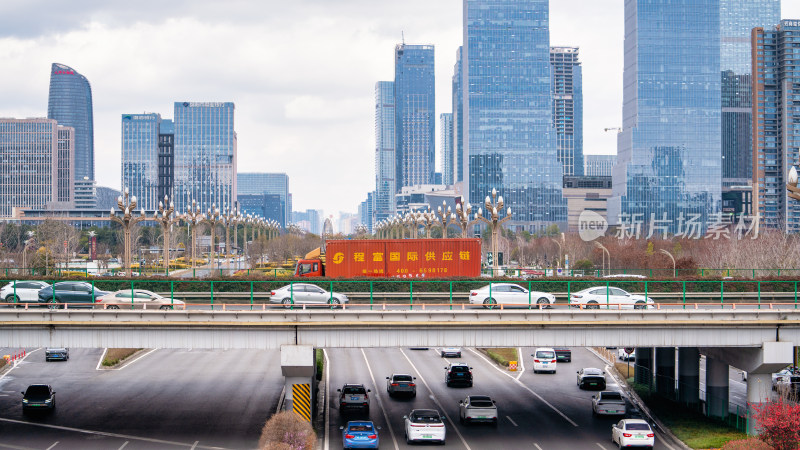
[544, 360]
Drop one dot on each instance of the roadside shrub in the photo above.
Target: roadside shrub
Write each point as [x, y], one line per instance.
[115, 356]
[747, 444]
[779, 424]
[287, 431]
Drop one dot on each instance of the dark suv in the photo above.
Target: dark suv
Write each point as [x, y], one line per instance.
[38, 397]
[458, 373]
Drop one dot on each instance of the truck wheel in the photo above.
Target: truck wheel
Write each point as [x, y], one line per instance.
[287, 303]
[489, 303]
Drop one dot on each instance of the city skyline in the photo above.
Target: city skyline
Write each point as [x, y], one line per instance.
[303, 108]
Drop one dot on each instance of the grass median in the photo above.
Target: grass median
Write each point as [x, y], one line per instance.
[501, 355]
[115, 356]
[693, 428]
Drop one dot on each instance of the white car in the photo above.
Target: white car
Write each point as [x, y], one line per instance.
[137, 299]
[622, 354]
[306, 294]
[424, 425]
[509, 294]
[450, 352]
[610, 298]
[477, 408]
[788, 378]
[544, 360]
[633, 433]
[22, 291]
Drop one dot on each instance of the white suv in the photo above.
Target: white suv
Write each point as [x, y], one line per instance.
[544, 360]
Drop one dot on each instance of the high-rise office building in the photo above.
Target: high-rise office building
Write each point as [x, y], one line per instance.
[166, 159]
[776, 124]
[385, 157]
[458, 120]
[205, 155]
[34, 161]
[568, 108]
[508, 110]
[366, 211]
[446, 146]
[415, 115]
[737, 19]
[599, 165]
[270, 184]
[70, 104]
[669, 150]
[140, 158]
[312, 216]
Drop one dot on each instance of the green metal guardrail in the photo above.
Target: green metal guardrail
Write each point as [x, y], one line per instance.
[416, 292]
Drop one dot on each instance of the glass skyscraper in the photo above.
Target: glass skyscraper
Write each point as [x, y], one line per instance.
[737, 19]
[415, 115]
[446, 146]
[568, 108]
[385, 158]
[140, 158]
[205, 155]
[669, 149]
[458, 119]
[776, 128]
[70, 104]
[250, 183]
[508, 109]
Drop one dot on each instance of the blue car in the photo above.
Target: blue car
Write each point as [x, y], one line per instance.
[360, 434]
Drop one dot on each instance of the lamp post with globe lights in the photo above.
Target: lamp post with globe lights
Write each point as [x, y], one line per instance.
[446, 218]
[410, 221]
[791, 186]
[213, 219]
[428, 220]
[193, 217]
[462, 218]
[165, 217]
[127, 206]
[26, 243]
[494, 208]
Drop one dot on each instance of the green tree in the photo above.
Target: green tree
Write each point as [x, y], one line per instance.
[583, 264]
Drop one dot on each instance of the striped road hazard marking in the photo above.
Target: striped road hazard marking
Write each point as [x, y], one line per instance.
[301, 400]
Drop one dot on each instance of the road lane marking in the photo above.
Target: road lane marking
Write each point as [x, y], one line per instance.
[327, 404]
[512, 421]
[435, 400]
[520, 363]
[124, 363]
[537, 446]
[380, 402]
[522, 385]
[15, 447]
[194, 446]
[600, 445]
[54, 444]
[104, 433]
[125, 444]
[14, 366]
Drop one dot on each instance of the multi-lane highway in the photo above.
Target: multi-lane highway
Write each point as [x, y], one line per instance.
[166, 399]
[538, 411]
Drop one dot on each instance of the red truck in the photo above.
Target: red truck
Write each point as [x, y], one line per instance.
[397, 258]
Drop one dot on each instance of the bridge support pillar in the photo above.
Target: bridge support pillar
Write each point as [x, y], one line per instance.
[643, 371]
[299, 370]
[716, 388]
[759, 390]
[665, 372]
[689, 376]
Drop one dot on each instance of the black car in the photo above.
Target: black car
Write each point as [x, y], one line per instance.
[56, 354]
[563, 354]
[458, 374]
[81, 293]
[38, 397]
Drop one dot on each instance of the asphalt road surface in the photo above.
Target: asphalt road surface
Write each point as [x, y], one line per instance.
[166, 399]
[537, 411]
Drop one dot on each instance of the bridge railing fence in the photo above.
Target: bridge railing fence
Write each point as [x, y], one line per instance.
[414, 293]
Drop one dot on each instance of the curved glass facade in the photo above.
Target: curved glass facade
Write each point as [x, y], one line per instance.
[669, 149]
[70, 104]
[509, 134]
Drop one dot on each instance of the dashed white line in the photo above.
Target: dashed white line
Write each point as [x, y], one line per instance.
[435, 400]
[380, 402]
[522, 385]
[54, 444]
[600, 445]
[537, 446]
[512, 421]
[125, 444]
[194, 446]
[103, 433]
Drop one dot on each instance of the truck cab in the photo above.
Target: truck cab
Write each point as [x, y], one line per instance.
[309, 268]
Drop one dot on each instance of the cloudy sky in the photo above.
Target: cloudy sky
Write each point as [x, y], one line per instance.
[301, 73]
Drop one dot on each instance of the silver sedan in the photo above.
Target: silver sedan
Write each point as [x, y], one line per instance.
[137, 299]
[306, 294]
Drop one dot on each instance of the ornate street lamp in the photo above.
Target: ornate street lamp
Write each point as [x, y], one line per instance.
[462, 218]
[193, 217]
[127, 206]
[410, 221]
[25, 245]
[494, 208]
[428, 220]
[791, 186]
[166, 217]
[446, 218]
[213, 219]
